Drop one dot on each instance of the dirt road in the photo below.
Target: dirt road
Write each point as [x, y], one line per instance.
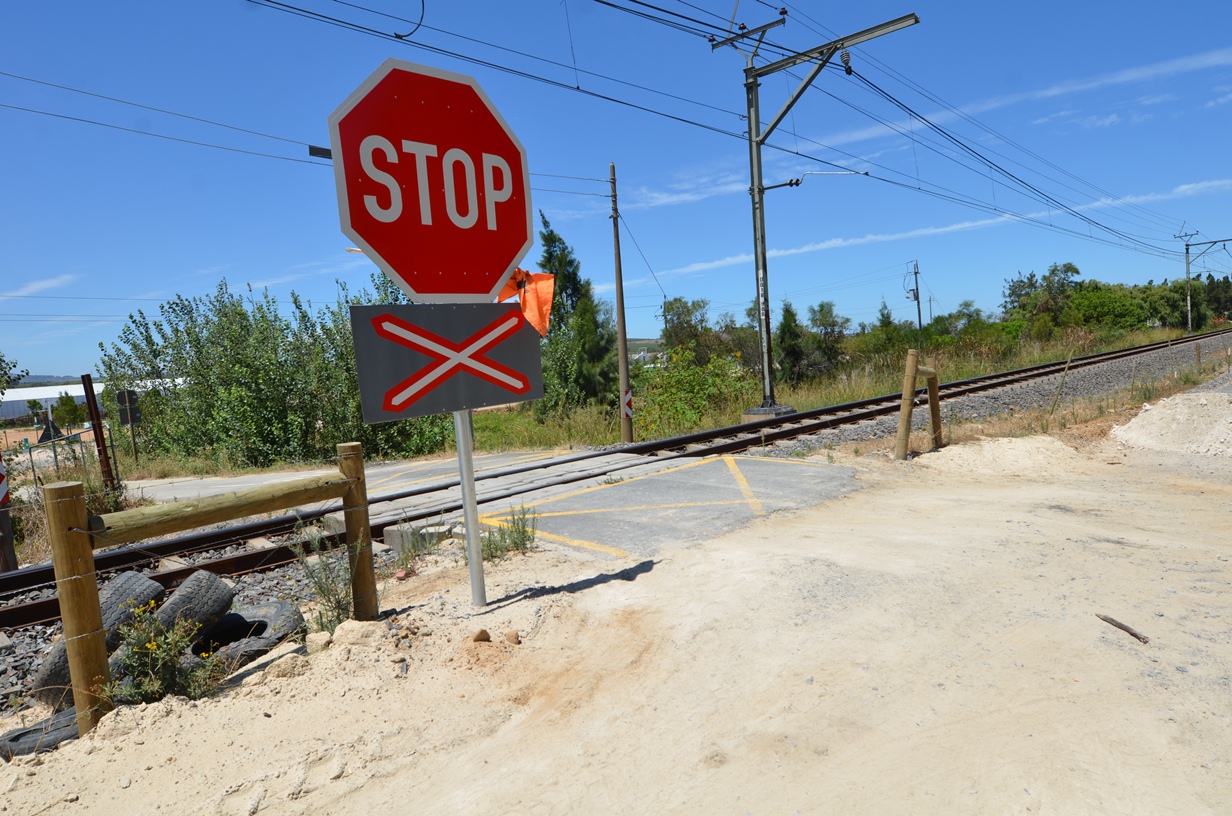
[927, 645]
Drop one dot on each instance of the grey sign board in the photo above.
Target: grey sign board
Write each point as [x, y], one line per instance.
[433, 358]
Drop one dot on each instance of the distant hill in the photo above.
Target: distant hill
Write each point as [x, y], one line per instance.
[47, 379]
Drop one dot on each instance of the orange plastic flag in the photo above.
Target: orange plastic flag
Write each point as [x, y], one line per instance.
[534, 292]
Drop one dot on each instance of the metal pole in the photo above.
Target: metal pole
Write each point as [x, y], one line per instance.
[96, 421]
[919, 314]
[470, 505]
[622, 339]
[1188, 303]
[758, 194]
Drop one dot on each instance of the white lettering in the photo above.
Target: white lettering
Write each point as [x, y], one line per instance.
[491, 195]
[421, 152]
[366, 148]
[452, 157]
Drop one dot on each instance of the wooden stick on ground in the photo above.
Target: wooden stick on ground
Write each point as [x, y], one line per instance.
[1123, 627]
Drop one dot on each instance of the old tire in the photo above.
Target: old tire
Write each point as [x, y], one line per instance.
[117, 600]
[203, 599]
[42, 736]
[241, 637]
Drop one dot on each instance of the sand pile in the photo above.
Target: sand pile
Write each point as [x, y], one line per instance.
[1188, 423]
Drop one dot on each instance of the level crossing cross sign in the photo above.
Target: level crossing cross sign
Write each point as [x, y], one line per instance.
[422, 359]
[432, 183]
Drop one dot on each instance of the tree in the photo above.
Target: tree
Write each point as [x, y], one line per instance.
[831, 328]
[232, 377]
[9, 374]
[67, 412]
[558, 260]
[686, 325]
[579, 352]
[1018, 290]
[789, 346]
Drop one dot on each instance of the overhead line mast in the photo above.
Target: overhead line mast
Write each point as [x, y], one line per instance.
[820, 56]
[1185, 236]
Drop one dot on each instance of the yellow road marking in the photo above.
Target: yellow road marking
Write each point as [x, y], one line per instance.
[797, 462]
[585, 545]
[499, 518]
[749, 496]
[593, 488]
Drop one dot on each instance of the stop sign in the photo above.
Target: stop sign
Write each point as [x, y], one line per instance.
[432, 183]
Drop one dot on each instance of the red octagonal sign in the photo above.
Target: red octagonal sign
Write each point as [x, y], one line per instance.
[432, 183]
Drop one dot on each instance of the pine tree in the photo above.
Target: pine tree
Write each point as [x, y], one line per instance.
[579, 353]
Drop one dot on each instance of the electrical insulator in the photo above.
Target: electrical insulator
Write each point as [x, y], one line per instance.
[743, 27]
[847, 61]
[783, 12]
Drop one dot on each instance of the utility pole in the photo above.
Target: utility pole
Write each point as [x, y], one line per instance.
[1209, 245]
[622, 340]
[757, 135]
[915, 293]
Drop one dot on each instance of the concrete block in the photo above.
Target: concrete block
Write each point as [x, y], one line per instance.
[406, 536]
[171, 562]
[333, 523]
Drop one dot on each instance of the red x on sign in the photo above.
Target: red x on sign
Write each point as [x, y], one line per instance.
[449, 358]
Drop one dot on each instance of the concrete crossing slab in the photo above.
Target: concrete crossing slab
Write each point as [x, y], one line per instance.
[678, 505]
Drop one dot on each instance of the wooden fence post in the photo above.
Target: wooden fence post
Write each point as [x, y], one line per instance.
[72, 556]
[904, 414]
[358, 533]
[934, 404]
[1198, 355]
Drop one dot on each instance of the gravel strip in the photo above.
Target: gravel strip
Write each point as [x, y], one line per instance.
[1083, 383]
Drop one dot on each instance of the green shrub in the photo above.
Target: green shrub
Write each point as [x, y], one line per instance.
[155, 662]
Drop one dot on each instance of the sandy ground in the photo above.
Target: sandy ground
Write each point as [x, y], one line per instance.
[927, 645]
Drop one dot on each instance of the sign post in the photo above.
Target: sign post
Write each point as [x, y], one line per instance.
[433, 186]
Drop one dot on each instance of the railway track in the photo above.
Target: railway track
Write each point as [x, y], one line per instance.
[434, 500]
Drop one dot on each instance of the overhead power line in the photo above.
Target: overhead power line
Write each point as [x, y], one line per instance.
[196, 142]
[152, 108]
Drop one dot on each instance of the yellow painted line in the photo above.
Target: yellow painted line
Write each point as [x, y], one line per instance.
[631, 479]
[749, 495]
[496, 518]
[585, 545]
[796, 462]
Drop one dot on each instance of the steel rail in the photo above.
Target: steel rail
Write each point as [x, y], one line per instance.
[703, 443]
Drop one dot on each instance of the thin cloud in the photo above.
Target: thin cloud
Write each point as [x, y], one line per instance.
[34, 287]
[1180, 191]
[1100, 121]
[1144, 73]
[1062, 114]
[839, 243]
[1157, 99]
[1220, 101]
[688, 191]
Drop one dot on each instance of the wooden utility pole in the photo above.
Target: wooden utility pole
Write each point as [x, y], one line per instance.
[622, 338]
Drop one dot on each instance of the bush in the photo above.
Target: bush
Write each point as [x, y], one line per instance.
[676, 398]
[155, 663]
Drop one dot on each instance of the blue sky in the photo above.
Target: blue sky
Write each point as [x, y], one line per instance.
[1116, 113]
